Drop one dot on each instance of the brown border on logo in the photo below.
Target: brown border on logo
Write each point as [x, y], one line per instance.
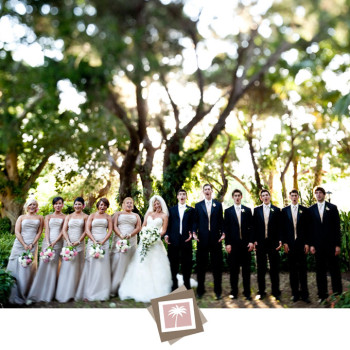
[180, 293]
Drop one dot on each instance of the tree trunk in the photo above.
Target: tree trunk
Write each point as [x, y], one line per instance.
[92, 198]
[295, 174]
[12, 207]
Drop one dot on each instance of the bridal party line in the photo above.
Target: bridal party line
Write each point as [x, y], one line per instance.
[96, 257]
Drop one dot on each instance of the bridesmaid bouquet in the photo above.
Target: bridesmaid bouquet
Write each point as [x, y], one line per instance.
[122, 246]
[147, 238]
[96, 251]
[47, 255]
[26, 258]
[68, 253]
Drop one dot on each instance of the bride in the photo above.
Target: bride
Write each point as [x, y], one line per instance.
[150, 278]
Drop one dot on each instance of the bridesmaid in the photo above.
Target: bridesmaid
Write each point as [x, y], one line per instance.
[44, 285]
[126, 225]
[95, 283]
[28, 230]
[73, 233]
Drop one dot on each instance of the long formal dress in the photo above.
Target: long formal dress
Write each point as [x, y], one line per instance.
[24, 275]
[120, 261]
[44, 285]
[70, 272]
[150, 278]
[95, 282]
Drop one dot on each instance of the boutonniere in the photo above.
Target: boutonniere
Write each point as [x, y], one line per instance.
[327, 208]
[272, 209]
[300, 211]
[186, 210]
[242, 210]
[214, 205]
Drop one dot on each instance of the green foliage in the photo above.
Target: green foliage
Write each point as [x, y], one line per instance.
[67, 209]
[6, 243]
[342, 300]
[6, 282]
[5, 225]
[345, 240]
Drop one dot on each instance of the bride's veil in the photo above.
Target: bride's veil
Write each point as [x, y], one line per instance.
[162, 203]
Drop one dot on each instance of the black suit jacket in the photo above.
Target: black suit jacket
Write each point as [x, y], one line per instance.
[173, 230]
[274, 230]
[231, 226]
[303, 227]
[200, 224]
[325, 235]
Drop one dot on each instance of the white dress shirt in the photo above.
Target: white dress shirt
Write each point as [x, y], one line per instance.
[266, 209]
[321, 206]
[182, 208]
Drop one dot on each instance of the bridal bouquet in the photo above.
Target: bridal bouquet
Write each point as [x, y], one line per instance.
[96, 251]
[147, 238]
[68, 253]
[122, 246]
[26, 258]
[47, 255]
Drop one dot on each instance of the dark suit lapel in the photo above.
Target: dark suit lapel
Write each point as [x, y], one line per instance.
[325, 212]
[212, 207]
[289, 212]
[298, 214]
[261, 212]
[317, 212]
[233, 209]
[204, 207]
[177, 213]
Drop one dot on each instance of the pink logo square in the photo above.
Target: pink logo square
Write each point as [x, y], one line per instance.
[176, 315]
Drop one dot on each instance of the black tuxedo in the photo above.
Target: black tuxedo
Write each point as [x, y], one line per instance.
[180, 251]
[267, 247]
[208, 243]
[239, 240]
[325, 236]
[296, 243]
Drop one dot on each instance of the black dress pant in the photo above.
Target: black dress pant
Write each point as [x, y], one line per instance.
[181, 254]
[238, 257]
[324, 260]
[267, 249]
[298, 272]
[215, 252]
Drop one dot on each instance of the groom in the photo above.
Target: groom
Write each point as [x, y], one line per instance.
[179, 239]
[208, 232]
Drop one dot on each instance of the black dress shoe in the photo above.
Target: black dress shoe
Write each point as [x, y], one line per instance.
[218, 297]
[306, 300]
[199, 295]
[295, 298]
[248, 298]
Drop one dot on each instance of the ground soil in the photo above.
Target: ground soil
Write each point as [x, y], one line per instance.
[208, 300]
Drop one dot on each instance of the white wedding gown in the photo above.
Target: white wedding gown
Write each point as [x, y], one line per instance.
[150, 278]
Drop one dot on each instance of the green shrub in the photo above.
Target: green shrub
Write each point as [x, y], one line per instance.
[6, 282]
[67, 209]
[342, 300]
[5, 225]
[6, 243]
[345, 240]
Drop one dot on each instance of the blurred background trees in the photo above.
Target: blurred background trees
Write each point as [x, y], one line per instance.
[118, 98]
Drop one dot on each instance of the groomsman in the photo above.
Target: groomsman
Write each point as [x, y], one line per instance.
[239, 238]
[325, 243]
[268, 242]
[179, 239]
[207, 231]
[295, 237]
